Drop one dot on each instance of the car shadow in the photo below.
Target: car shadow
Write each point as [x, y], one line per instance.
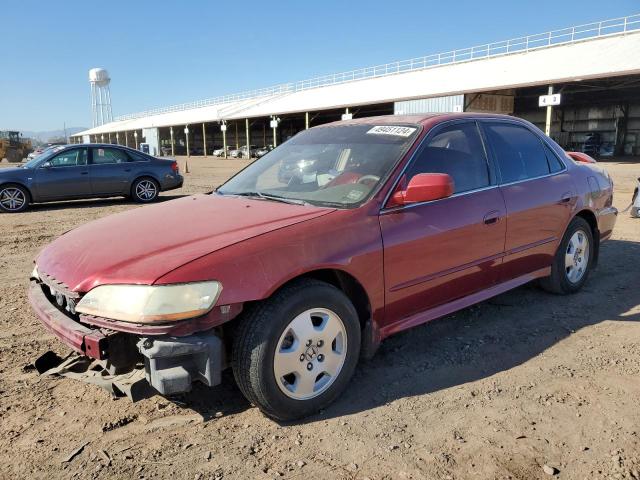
[94, 203]
[475, 343]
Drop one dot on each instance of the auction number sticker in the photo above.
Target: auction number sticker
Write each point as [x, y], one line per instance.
[391, 130]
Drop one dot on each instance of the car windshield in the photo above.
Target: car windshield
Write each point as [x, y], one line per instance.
[47, 152]
[334, 165]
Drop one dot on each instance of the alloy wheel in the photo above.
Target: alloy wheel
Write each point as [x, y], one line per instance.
[12, 198]
[146, 190]
[576, 258]
[310, 354]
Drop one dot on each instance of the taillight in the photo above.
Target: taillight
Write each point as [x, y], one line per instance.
[175, 167]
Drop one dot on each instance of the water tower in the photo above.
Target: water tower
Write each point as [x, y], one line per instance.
[100, 96]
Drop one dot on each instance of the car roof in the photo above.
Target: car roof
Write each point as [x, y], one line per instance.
[98, 145]
[418, 119]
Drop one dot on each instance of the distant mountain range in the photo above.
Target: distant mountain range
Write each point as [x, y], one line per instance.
[46, 135]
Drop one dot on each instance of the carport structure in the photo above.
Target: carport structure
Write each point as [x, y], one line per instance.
[595, 68]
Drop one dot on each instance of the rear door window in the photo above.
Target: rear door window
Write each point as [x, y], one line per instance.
[102, 156]
[518, 152]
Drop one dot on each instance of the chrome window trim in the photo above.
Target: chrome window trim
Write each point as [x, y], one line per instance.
[461, 194]
[533, 178]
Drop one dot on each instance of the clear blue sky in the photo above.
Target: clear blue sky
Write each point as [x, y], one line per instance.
[160, 53]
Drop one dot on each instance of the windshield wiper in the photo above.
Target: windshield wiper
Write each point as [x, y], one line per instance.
[276, 198]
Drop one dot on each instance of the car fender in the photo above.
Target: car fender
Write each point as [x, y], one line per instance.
[257, 267]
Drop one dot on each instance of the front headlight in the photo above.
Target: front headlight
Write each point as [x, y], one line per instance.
[151, 303]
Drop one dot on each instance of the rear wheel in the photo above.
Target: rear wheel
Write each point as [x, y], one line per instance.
[13, 198]
[573, 259]
[145, 190]
[13, 156]
[294, 353]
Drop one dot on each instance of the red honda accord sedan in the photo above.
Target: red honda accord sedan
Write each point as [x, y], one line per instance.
[308, 258]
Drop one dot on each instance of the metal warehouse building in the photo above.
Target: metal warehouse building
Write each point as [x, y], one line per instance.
[594, 67]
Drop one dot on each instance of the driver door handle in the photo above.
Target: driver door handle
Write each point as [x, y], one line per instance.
[492, 217]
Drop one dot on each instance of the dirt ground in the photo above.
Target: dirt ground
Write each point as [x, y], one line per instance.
[499, 390]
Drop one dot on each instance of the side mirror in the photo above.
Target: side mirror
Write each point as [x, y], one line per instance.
[425, 187]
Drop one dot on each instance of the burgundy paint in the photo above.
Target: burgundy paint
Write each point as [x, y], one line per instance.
[415, 262]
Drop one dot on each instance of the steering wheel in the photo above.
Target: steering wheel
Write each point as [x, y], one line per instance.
[368, 179]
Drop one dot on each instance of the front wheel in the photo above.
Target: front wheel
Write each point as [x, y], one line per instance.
[573, 259]
[145, 190]
[295, 352]
[13, 198]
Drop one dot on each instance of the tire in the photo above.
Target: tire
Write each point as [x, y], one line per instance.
[145, 190]
[13, 156]
[270, 339]
[572, 262]
[13, 198]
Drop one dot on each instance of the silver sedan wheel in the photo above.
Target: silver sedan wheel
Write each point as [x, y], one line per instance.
[310, 354]
[146, 190]
[576, 258]
[12, 198]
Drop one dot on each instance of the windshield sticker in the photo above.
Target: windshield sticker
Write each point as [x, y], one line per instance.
[392, 130]
[355, 195]
[100, 152]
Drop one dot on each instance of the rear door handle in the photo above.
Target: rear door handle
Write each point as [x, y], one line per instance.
[491, 217]
[84, 173]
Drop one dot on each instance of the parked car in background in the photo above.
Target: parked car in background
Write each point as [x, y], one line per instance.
[591, 145]
[41, 150]
[36, 152]
[243, 152]
[262, 151]
[219, 152]
[390, 222]
[86, 171]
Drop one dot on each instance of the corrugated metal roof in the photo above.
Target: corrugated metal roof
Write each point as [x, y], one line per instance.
[604, 56]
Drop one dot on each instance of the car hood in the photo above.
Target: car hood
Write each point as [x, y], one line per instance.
[141, 245]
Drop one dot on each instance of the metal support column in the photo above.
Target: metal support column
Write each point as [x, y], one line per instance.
[547, 127]
[223, 127]
[306, 121]
[126, 138]
[246, 128]
[186, 134]
[204, 140]
[173, 150]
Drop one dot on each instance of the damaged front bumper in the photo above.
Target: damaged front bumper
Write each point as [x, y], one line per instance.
[169, 363]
